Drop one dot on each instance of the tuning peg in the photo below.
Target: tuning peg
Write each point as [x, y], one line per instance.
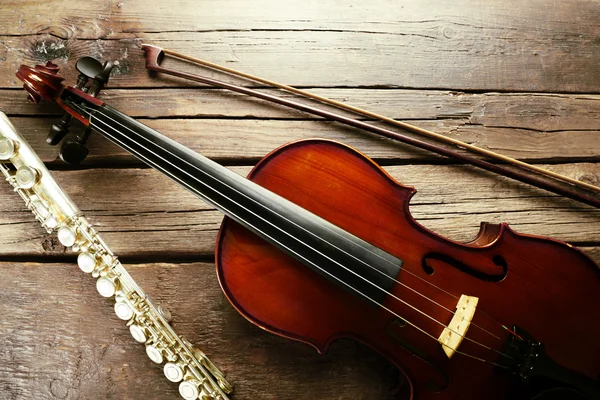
[101, 78]
[59, 130]
[106, 70]
[74, 151]
[89, 67]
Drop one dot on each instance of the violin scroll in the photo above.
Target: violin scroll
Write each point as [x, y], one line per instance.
[44, 82]
[41, 81]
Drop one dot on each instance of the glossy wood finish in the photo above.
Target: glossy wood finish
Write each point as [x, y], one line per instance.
[529, 90]
[551, 289]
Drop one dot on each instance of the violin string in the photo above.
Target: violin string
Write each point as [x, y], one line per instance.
[299, 255]
[377, 287]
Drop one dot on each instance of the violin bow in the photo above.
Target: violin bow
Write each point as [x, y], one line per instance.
[154, 56]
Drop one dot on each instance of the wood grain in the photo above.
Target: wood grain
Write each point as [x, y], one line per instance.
[151, 216]
[534, 111]
[53, 314]
[86, 20]
[247, 141]
[500, 46]
[521, 78]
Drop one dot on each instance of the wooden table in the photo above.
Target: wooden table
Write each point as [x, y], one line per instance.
[518, 77]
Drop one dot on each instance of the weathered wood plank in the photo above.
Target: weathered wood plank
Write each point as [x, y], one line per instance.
[533, 111]
[593, 252]
[246, 141]
[97, 19]
[562, 62]
[503, 122]
[147, 215]
[61, 340]
[509, 45]
[395, 103]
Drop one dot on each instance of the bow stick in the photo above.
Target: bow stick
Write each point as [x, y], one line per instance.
[154, 56]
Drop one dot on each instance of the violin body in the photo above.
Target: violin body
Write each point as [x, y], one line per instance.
[504, 316]
[545, 288]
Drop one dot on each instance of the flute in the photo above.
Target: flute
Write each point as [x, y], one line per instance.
[197, 376]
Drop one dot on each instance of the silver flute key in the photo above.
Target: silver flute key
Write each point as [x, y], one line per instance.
[197, 376]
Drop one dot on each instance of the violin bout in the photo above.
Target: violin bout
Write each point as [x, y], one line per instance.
[542, 288]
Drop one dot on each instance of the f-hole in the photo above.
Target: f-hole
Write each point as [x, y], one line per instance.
[498, 260]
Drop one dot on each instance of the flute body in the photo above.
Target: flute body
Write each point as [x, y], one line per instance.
[197, 376]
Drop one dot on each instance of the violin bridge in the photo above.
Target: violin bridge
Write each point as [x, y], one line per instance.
[454, 333]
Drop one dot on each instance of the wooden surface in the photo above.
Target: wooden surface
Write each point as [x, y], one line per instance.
[521, 78]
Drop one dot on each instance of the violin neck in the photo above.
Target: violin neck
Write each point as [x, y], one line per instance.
[330, 251]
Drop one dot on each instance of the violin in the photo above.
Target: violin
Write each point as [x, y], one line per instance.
[318, 243]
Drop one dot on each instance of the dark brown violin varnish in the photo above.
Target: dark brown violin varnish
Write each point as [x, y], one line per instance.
[520, 78]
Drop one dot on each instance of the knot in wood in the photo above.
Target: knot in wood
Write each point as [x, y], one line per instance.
[448, 31]
[51, 244]
[589, 178]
